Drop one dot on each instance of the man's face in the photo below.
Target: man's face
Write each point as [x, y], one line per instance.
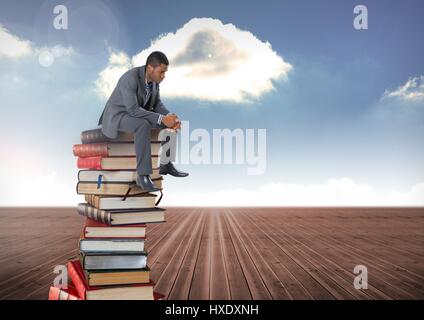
[157, 74]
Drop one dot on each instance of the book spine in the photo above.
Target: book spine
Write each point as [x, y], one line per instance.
[89, 198]
[77, 281]
[81, 260]
[90, 163]
[92, 136]
[120, 191]
[96, 135]
[94, 213]
[92, 200]
[91, 150]
[96, 201]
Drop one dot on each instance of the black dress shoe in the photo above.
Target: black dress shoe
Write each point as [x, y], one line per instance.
[145, 183]
[170, 169]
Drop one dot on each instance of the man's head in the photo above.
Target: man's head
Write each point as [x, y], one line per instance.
[156, 66]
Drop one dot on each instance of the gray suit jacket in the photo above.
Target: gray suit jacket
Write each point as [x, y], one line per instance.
[128, 98]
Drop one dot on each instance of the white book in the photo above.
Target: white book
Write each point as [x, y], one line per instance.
[112, 176]
[111, 245]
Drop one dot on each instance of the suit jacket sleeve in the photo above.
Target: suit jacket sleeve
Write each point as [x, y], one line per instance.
[128, 91]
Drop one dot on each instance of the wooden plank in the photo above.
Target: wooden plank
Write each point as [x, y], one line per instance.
[158, 260]
[239, 289]
[272, 282]
[152, 229]
[169, 273]
[181, 288]
[200, 284]
[155, 243]
[256, 284]
[219, 284]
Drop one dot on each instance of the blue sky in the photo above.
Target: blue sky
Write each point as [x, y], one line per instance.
[338, 124]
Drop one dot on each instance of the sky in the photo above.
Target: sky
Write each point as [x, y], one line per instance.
[332, 115]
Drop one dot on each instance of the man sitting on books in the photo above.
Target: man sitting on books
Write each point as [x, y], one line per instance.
[135, 106]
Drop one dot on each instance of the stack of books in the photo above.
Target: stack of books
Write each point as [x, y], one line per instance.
[112, 262]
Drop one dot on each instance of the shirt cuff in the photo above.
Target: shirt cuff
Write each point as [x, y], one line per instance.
[160, 118]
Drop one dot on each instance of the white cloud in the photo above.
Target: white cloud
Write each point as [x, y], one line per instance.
[209, 60]
[412, 90]
[402, 106]
[336, 192]
[38, 190]
[28, 177]
[108, 78]
[49, 190]
[59, 51]
[12, 46]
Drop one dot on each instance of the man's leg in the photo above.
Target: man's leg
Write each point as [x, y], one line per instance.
[141, 130]
[168, 140]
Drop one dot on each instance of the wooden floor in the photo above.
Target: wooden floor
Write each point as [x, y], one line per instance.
[236, 253]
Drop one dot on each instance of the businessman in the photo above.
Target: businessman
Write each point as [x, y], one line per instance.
[135, 106]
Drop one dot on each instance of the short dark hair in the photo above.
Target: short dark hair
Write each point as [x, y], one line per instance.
[157, 58]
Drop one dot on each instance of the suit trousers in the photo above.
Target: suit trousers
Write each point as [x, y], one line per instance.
[141, 130]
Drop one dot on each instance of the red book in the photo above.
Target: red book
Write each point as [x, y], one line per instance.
[90, 163]
[63, 294]
[110, 149]
[91, 150]
[96, 229]
[120, 292]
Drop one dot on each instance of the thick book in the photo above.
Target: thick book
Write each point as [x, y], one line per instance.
[144, 201]
[112, 163]
[120, 277]
[115, 261]
[113, 188]
[122, 217]
[142, 291]
[112, 176]
[109, 149]
[96, 135]
[111, 245]
[95, 229]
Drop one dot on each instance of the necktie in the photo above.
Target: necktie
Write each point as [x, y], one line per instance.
[148, 92]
